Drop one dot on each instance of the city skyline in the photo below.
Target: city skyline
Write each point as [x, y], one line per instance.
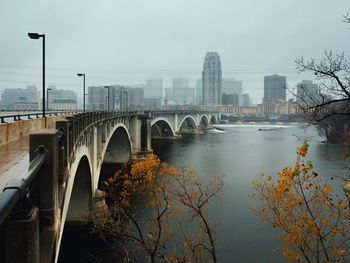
[109, 50]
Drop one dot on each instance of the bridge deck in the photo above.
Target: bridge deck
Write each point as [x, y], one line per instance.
[14, 158]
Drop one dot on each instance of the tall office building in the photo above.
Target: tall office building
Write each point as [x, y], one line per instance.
[212, 79]
[233, 86]
[246, 100]
[153, 88]
[275, 88]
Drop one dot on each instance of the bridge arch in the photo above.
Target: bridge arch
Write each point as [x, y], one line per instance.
[187, 122]
[79, 191]
[161, 127]
[213, 119]
[80, 200]
[204, 121]
[117, 148]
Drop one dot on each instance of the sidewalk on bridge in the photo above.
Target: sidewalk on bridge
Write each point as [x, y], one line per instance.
[14, 159]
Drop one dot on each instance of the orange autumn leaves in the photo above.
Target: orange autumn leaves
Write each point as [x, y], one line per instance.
[313, 222]
[162, 210]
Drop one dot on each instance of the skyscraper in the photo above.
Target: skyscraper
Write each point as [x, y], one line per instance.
[275, 88]
[212, 79]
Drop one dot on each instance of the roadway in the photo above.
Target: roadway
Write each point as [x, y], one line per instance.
[14, 159]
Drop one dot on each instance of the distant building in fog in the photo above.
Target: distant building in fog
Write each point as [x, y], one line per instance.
[153, 88]
[246, 100]
[120, 98]
[212, 79]
[63, 104]
[230, 99]
[182, 94]
[199, 91]
[275, 89]
[20, 99]
[61, 99]
[231, 85]
[307, 92]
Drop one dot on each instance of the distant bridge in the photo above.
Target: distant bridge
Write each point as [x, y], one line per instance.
[61, 184]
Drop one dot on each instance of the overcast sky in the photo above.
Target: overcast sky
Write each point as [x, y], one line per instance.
[126, 41]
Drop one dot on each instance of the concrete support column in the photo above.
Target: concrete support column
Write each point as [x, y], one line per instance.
[135, 134]
[48, 174]
[22, 238]
[176, 128]
[146, 132]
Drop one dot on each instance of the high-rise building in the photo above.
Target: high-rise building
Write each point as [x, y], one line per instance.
[230, 99]
[212, 79]
[134, 98]
[275, 88]
[154, 88]
[231, 86]
[246, 100]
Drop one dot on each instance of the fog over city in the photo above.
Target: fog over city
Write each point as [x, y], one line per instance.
[125, 42]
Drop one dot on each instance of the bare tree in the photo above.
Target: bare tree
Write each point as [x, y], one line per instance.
[147, 207]
[329, 106]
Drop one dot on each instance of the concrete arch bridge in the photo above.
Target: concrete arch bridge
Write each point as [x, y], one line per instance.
[78, 152]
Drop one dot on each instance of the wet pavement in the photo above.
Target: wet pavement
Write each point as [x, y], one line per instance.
[14, 159]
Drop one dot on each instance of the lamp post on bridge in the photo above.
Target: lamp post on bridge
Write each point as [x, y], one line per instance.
[37, 36]
[47, 98]
[83, 75]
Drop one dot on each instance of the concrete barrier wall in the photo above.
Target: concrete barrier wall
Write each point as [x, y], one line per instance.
[13, 131]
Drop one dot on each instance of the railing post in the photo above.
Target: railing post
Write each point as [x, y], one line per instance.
[63, 148]
[22, 239]
[48, 191]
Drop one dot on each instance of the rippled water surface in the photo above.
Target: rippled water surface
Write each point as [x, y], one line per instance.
[241, 153]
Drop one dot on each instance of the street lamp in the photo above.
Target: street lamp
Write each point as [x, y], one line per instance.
[37, 36]
[107, 87]
[83, 75]
[47, 98]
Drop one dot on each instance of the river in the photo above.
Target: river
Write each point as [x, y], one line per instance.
[241, 153]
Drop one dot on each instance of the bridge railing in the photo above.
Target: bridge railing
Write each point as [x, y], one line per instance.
[28, 116]
[19, 187]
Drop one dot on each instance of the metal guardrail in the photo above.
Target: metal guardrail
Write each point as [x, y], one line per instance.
[18, 188]
[17, 117]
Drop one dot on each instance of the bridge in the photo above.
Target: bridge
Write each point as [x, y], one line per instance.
[66, 164]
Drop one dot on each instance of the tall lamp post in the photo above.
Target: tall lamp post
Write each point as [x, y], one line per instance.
[83, 75]
[37, 36]
[47, 98]
[107, 87]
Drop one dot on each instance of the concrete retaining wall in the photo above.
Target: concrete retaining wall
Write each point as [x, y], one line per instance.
[13, 131]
